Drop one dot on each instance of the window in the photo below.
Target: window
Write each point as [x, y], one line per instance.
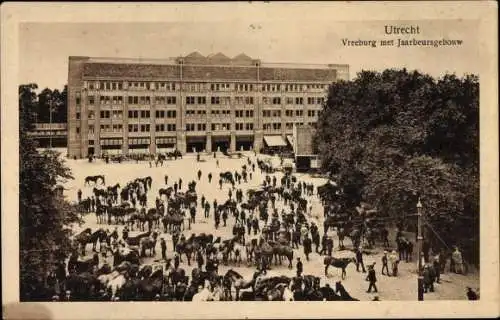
[215, 100]
[160, 127]
[201, 112]
[145, 114]
[189, 126]
[190, 112]
[133, 128]
[91, 100]
[190, 100]
[144, 127]
[202, 100]
[311, 113]
[91, 85]
[171, 114]
[299, 100]
[276, 113]
[239, 126]
[91, 115]
[320, 100]
[78, 116]
[77, 130]
[276, 126]
[249, 113]
[160, 114]
[202, 127]
[91, 129]
[117, 128]
[249, 126]
[266, 100]
[105, 114]
[276, 100]
[170, 127]
[171, 100]
[299, 113]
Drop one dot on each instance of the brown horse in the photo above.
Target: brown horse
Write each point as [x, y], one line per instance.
[341, 263]
[233, 278]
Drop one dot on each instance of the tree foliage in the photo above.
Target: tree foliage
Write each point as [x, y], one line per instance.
[395, 136]
[44, 216]
[52, 99]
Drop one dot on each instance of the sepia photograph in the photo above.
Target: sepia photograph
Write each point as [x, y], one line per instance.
[249, 157]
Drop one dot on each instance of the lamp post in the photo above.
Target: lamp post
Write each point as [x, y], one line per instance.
[420, 282]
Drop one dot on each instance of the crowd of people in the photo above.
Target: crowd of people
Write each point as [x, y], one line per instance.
[260, 232]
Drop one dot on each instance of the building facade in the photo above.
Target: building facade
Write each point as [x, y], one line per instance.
[191, 103]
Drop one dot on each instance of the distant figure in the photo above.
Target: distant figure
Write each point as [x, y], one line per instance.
[217, 163]
[209, 177]
[359, 259]
[163, 245]
[371, 278]
[385, 265]
[300, 268]
[166, 179]
[79, 195]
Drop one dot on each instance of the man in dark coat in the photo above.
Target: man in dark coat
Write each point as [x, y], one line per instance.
[307, 246]
[359, 259]
[471, 295]
[207, 209]
[175, 239]
[372, 278]
[199, 259]
[180, 183]
[385, 264]
[300, 268]
[175, 187]
[79, 195]
[163, 245]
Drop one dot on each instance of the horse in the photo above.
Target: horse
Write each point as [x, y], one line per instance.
[98, 235]
[341, 263]
[233, 278]
[148, 243]
[203, 295]
[94, 179]
[87, 265]
[113, 282]
[344, 295]
[84, 238]
[135, 241]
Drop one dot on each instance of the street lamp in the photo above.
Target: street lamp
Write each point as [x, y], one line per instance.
[420, 282]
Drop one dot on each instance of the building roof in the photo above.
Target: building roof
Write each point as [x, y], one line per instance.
[242, 56]
[200, 71]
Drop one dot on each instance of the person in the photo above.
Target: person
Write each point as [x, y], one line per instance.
[230, 194]
[203, 201]
[180, 183]
[359, 260]
[471, 295]
[166, 179]
[428, 279]
[199, 259]
[224, 217]
[175, 187]
[210, 177]
[324, 240]
[175, 239]
[199, 174]
[255, 225]
[249, 225]
[92, 204]
[176, 261]
[217, 163]
[437, 268]
[163, 245]
[207, 209]
[385, 237]
[393, 258]
[300, 268]
[192, 212]
[371, 278]
[220, 184]
[456, 258]
[125, 233]
[385, 265]
[307, 246]
[79, 195]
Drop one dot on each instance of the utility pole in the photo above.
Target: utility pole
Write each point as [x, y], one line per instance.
[420, 282]
[50, 122]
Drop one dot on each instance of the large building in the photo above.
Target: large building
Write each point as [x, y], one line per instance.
[191, 103]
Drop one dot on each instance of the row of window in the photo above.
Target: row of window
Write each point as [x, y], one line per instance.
[139, 127]
[192, 100]
[271, 126]
[165, 127]
[243, 113]
[243, 126]
[196, 127]
[199, 86]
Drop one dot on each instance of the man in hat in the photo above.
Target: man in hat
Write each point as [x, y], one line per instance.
[300, 267]
[471, 295]
[163, 246]
[359, 259]
[371, 278]
[385, 265]
[307, 246]
[176, 261]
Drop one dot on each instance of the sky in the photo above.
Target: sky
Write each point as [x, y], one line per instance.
[44, 47]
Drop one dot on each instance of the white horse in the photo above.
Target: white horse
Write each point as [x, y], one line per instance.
[113, 281]
[203, 295]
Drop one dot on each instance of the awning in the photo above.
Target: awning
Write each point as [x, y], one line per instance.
[165, 149]
[274, 141]
[137, 150]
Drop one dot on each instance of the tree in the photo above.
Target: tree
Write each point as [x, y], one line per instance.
[45, 218]
[394, 136]
[52, 99]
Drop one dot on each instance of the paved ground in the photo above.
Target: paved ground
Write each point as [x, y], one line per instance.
[401, 288]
